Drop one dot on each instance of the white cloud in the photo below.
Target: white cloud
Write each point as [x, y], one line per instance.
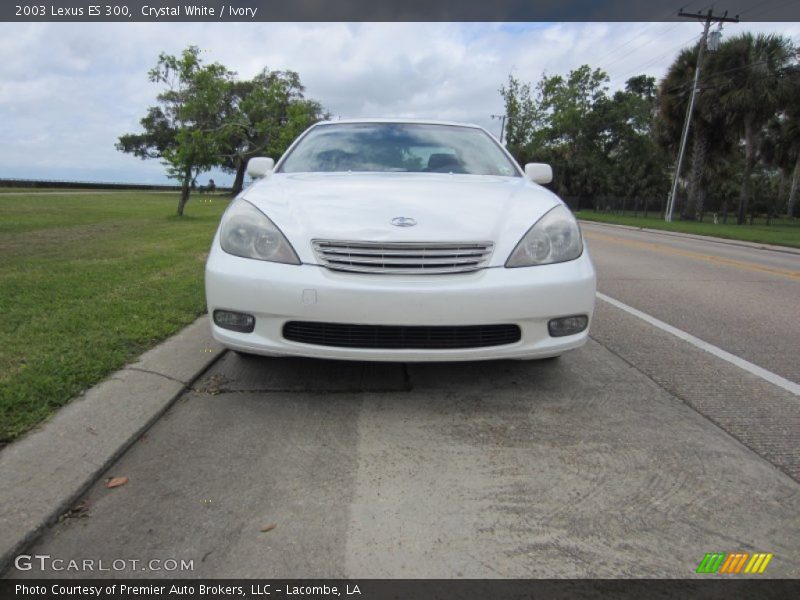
[67, 91]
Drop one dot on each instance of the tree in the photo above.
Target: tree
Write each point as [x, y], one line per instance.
[523, 118]
[778, 151]
[710, 137]
[794, 189]
[574, 131]
[750, 90]
[187, 127]
[789, 140]
[598, 144]
[269, 112]
[636, 159]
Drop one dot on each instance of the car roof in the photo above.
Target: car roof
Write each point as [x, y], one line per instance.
[400, 120]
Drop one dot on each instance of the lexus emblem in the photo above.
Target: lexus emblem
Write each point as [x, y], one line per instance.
[404, 222]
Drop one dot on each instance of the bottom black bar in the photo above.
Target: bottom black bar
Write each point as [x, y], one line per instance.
[379, 589]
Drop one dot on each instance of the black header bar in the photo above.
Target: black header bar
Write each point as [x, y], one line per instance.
[384, 10]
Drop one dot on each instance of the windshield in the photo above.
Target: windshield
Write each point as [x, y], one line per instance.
[398, 147]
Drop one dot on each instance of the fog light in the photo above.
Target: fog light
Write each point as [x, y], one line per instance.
[567, 325]
[236, 321]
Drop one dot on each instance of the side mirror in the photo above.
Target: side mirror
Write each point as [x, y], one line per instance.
[539, 172]
[259, 166]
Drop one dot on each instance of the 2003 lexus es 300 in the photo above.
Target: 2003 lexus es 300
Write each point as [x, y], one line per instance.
[403, 241]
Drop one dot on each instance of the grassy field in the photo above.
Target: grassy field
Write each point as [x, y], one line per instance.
[785, 233]
[88, 282]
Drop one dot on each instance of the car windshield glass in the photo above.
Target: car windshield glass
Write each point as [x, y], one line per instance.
[398, 147]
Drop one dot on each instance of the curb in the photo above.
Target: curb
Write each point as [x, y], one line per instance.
[702, 238]
[47, 470]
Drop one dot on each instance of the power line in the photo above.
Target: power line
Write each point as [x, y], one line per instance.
[639, 47]
[621, 46]
[652, 40]
[715, 74]
[707, 78]
[641, 33]
[652, 61]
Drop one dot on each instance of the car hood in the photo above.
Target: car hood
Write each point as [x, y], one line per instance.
[361, 206]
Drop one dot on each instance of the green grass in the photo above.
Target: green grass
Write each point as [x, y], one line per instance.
[87, 283]
[782, 233]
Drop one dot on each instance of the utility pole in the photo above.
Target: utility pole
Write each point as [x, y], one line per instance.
[502, 126]
[708, 18]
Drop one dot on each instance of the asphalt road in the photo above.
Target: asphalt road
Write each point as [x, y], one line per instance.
[631, 457]
[740, 298]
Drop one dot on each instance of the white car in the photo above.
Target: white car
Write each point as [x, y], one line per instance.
[399, 240]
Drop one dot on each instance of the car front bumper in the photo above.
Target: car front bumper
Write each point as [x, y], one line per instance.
[277, 293]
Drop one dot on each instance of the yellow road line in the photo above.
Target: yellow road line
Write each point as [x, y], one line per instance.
[689, 254]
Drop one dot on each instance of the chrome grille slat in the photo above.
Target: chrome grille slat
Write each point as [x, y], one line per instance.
[427, 271]
[403, 258]
[404, 261]
[384, 252]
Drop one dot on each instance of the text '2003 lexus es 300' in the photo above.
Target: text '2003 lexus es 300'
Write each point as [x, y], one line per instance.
[399, 241]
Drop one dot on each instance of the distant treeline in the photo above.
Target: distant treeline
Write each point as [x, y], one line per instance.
[92, 185]
[743, 148]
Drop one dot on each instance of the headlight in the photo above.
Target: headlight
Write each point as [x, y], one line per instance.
[555, 238]
[247, 232]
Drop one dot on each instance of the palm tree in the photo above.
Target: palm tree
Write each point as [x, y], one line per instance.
[790, 130]
[708, 135]
[780, 149]
[751, 88]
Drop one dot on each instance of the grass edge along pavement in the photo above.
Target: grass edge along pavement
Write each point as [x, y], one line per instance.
[49, 469]
[88, 283]
[786, 233]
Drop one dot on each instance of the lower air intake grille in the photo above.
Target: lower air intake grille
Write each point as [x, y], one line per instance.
[400, 336]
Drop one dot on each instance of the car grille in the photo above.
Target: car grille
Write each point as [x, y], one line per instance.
[402, 258]
[393, 337]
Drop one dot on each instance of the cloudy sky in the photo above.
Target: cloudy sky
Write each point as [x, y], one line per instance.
[67, 91]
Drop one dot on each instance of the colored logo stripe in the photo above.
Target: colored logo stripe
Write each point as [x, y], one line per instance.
[711, 562]
[758, 563]
[734, 563]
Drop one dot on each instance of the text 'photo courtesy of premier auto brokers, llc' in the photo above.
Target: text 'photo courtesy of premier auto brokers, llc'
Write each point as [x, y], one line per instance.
[384, 300]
